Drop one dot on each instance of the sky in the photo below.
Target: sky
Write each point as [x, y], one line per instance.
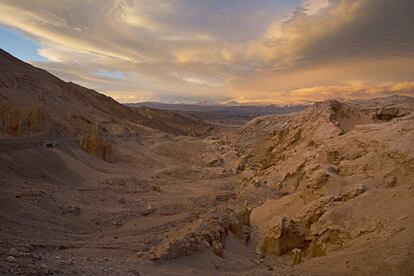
[232, 51]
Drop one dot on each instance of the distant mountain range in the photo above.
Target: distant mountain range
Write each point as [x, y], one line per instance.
[223, 114]
[245, 109]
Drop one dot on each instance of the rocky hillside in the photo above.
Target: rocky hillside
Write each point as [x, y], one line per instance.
[174, 122]
[345, 171]
[33, 102]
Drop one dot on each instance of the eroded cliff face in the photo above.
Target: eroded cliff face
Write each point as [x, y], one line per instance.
[96, 146]
[23, 122]
[346, 171]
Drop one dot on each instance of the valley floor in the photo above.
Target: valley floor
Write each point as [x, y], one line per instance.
[65, 212]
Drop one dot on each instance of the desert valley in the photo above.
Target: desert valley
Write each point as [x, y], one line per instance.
[207, 137]
[93, 187]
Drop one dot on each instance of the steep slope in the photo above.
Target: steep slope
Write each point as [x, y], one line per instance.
[346, 171]
[35, 103]
[174, 122]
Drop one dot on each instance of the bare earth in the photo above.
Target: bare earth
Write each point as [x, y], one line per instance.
[107, 190]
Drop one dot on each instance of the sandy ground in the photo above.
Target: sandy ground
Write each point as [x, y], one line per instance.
[171, 205]
[67, 212]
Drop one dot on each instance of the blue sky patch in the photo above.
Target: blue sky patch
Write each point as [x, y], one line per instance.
[19, 45]
[111, 74]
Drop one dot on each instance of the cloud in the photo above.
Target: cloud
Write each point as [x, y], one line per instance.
[322, 31]
[218, 50]
[358, 90]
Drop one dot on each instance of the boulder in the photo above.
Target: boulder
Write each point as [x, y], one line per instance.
[13, 252]
[10, 259]
[390, 181]
[214, 162]
[218, 248]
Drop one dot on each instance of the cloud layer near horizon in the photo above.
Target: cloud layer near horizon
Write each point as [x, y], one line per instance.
[246, 51]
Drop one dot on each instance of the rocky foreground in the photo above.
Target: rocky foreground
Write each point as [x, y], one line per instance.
[333, 184]
[326, 191]
[346, 170]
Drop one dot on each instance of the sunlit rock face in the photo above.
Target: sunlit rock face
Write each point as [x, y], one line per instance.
[332, 162]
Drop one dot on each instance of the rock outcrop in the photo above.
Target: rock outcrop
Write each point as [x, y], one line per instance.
[208, 232]
[295, 232]
[327, 160]
[96, 146]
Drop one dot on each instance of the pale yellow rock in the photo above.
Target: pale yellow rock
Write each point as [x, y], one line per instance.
[296, 256]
